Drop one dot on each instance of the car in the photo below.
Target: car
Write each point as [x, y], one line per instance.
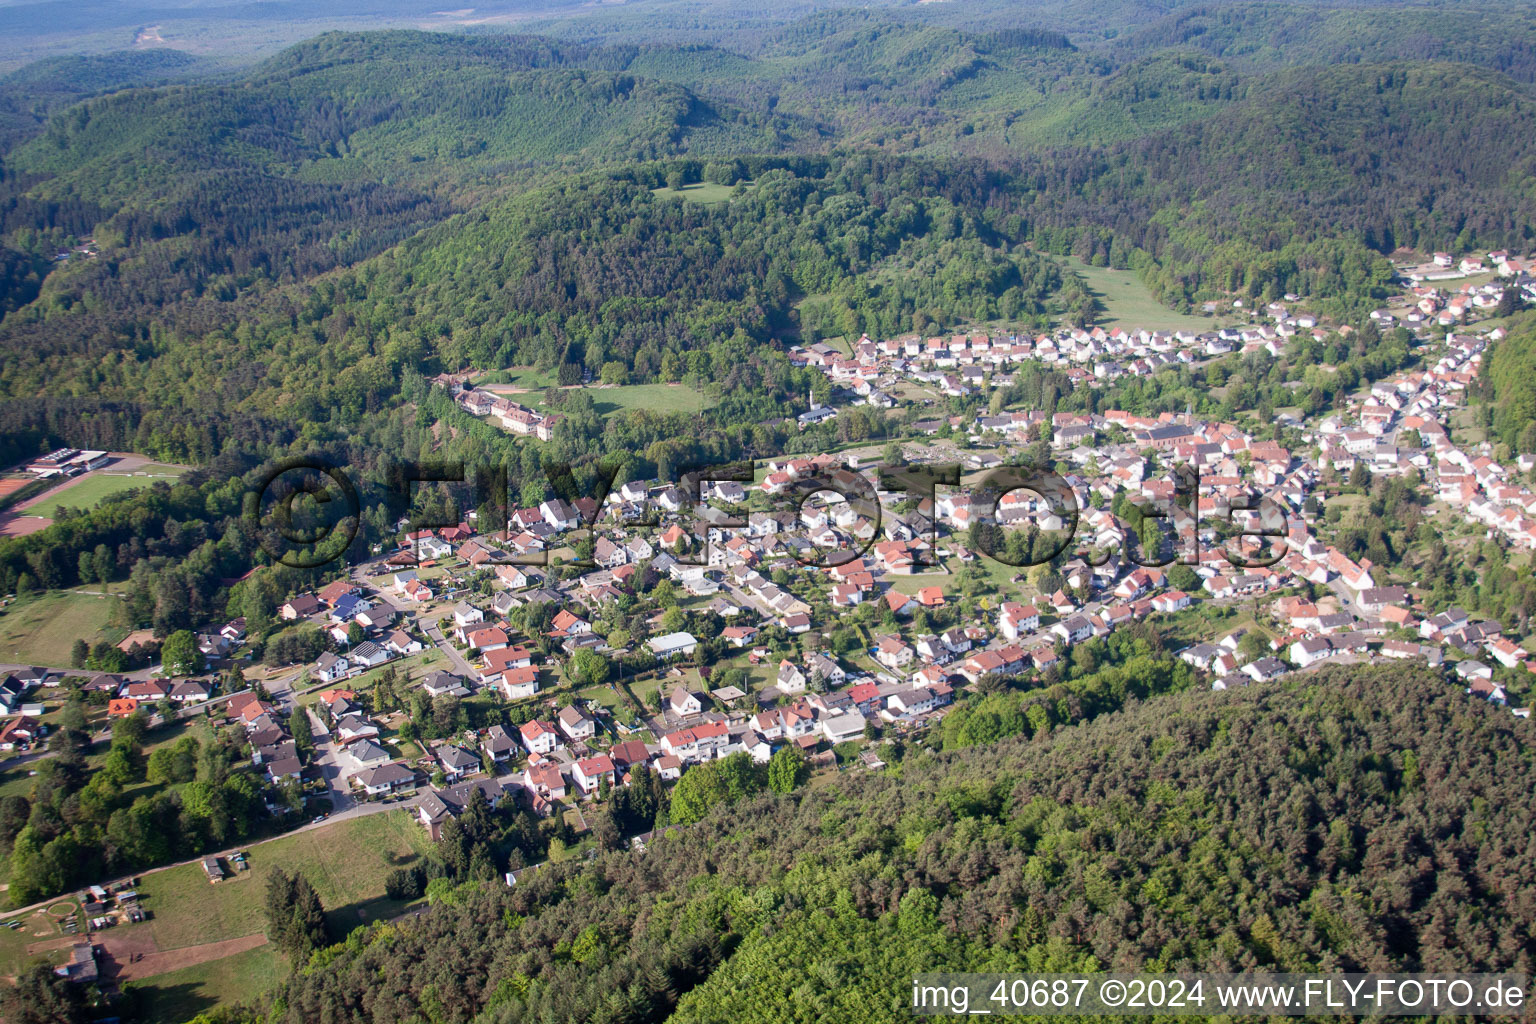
[318, 819]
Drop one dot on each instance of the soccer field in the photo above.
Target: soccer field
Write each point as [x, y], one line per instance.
[89, 491]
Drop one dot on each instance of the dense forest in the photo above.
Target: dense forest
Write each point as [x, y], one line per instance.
[1355, 819]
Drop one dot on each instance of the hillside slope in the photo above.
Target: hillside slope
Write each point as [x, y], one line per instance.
[1355, 819]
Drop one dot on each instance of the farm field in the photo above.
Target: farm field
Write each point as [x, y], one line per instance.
[42, 630]
[1127, 302]
[89, 491]
[189, 910]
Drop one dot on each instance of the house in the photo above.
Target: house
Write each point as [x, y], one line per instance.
[669, 768]
[844, 727]
[438, 805]
[486, 639]
[540, 737]
[518, 683]
[81, 966]
[332, 593]
[367, 753]
[544, 782]
[591, 772]
[499, 744]
[790, 678]
[19, 732]
[368, 655]
[285, 768]
[739, 636]
[1017, 620]
[465, 614]
[567, 624]
[456, 762]
[1310, 651]
[330, 668]
[402, 643]
[386, 778]
[439, 682]
[914, 702]
[672, 645]
[684, 704]
[825, 668]
[892, 652]
[702, 742]
[498, 661]
[301, 607]
[354, 727]
[1074, 629]
[575, 724]
[1264, 669]
[628, 753]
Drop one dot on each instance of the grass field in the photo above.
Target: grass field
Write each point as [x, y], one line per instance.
[181, 995]
[42, 630]
[517, 377]
[89, 491]
[189, 910]
[1128, 304]
[656, 397]
[706, 192]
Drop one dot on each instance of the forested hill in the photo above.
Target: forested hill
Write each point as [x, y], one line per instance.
[243, 226]
[1353, 819]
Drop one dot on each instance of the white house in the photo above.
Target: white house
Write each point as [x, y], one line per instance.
[540, 737]
[672, 645]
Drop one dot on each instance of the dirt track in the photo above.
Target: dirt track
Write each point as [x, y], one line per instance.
[120, 949]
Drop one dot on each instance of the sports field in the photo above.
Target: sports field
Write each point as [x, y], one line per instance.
[89, 490]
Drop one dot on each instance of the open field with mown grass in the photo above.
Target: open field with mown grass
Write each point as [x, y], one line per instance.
[346, 863]
[706, 192]
[42, 630]
[653, 397]
[1127, 302]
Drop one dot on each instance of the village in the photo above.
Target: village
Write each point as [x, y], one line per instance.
[546, 659]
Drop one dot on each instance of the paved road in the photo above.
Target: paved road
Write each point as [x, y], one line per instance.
[460, 666]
